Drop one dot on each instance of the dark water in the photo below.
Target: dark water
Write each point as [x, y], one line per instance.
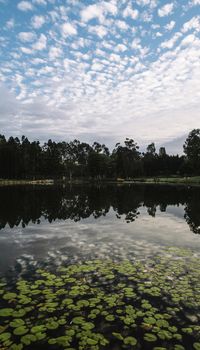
[100, 267]
[55, 223]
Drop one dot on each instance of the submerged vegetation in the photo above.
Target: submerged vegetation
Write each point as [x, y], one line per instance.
[96, 304]
[22, 159]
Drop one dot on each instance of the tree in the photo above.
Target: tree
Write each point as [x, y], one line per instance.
[52, 159]
[150, 160]
[151, 149]
[192, 149]
[127, 158]
[99, 160]
[102, 149]
[162, 152]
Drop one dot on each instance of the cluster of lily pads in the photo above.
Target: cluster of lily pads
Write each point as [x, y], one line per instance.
[101, 304]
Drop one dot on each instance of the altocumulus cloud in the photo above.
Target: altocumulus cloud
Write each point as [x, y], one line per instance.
[101, 70]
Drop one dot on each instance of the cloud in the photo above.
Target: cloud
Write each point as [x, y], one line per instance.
[150, 3]
[92, 11]
[98, 11]
[143, 2]
[121, 25]
[97, 66]
[169, 26]
[195, 2]
[121, 48]
[100, 68]
[188, 40]
[100, 30]
[68, 29]
[136, 44]
[37, 61]
[193, 23]
[25, 6]
[166, 10]
[40, 2]
[110, 7]
[41, 43]
[10, 23]
[26, 36]
[169, 44]
[26, 50]
[129, 12]
[37, 21]
[55, 52]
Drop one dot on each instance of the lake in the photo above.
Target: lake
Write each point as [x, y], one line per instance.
[100, 267]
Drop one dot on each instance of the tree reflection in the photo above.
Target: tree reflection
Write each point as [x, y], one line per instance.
[22, 205]
[192, 212]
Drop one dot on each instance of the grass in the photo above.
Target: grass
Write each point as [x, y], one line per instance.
[188, 180]
[6, 182]
[192, 180]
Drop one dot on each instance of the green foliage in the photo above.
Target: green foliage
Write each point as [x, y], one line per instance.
[192, 148]
[150, 337]
[6, 312]
[78, 306]
[20, 330]
[9, 296]
[196, 346]
[17, 323]
[130, 341]
[28, 339]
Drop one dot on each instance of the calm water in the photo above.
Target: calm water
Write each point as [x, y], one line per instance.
[93, 268]
[54, 224]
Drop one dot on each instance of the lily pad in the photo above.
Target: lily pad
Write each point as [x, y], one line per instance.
[150, 337]
[20, 330]
[6, 312]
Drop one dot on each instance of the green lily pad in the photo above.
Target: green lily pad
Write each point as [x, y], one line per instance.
[16, 347]
[117, 335]
[9, 296]
[6, 312]
[130, 341]
[109, 318]
[178, 347]
[52, 325]
[40, 335]
[150, 337]
[38, 329]
[17, 323]
[20, 330]
[5, 336]
[28, 339]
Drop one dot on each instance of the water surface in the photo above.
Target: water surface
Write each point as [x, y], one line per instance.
[72, 222]
[100, 267]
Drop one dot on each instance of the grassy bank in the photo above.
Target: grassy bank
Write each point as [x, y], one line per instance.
[193, 180]
[4, 182]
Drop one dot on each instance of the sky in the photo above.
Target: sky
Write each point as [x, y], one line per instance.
[100, 70]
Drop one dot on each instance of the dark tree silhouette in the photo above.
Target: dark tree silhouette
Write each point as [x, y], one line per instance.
[23, 159]
[192, 150]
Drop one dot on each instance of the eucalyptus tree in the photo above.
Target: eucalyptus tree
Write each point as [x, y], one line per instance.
[99, 161]
[150, 160]
[52, 159]
[127, 159]
[191, 148]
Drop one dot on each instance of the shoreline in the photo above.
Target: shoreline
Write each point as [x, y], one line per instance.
[191, 181]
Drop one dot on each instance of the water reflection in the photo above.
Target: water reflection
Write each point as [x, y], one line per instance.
[20, 206]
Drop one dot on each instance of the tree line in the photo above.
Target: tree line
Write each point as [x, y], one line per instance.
[23, 159]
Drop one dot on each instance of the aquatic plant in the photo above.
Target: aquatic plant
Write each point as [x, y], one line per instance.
[102, 304]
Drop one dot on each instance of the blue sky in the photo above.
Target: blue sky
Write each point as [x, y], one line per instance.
[100, 70]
